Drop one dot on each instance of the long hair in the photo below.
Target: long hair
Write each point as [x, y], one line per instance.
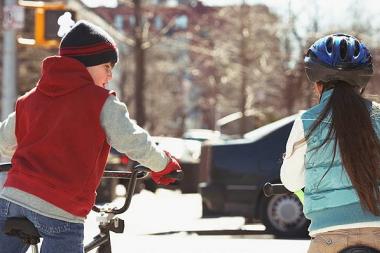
[351, 129]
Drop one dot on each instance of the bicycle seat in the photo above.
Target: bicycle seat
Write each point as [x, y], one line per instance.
[22, 228]
[359, 249]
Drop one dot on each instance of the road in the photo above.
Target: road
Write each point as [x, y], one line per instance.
[200, 244]
[170, 222]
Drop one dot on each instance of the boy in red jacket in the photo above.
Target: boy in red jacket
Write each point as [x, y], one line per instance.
[60, 136]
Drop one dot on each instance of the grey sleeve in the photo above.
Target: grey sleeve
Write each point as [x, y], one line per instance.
[127, 137]
[8, 141]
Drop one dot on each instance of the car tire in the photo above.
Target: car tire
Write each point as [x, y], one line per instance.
[212, 199]
[208, 213]
[106, 191]
[283, 216]
[150, 185]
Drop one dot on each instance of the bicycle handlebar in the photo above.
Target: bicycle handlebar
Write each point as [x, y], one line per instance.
[139, 172]
[4, 167]
[273, 189]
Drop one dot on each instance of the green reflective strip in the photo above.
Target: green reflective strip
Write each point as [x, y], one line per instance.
[300, 195]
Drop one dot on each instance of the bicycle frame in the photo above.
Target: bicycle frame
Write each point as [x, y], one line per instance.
[107, 216]
[107, 220]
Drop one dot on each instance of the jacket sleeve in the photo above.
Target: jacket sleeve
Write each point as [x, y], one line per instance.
[127, 137]
[8, 141]
[293, 166]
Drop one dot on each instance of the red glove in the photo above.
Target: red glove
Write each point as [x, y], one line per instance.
[159, 177]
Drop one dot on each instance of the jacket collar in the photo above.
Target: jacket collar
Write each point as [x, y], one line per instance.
[326, 95]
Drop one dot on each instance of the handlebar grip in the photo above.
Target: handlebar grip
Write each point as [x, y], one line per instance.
[123, 174]
[274, 189]
[4, 167]
[177, 175]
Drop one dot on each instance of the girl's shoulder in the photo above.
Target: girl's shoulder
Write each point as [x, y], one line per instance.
[313, 112]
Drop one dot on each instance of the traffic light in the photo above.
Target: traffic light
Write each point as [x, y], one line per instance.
[41, 25]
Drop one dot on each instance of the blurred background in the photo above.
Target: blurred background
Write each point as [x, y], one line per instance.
[214, 81]
[208, 59]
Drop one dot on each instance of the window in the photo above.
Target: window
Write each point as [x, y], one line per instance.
[181, 22]
[119, 22]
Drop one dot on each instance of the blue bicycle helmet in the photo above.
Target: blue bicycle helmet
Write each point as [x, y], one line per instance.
[339, 57]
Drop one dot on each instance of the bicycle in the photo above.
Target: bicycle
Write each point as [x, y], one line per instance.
[107, 219]
[276, 189]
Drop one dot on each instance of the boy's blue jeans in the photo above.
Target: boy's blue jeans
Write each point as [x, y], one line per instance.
[58, 236]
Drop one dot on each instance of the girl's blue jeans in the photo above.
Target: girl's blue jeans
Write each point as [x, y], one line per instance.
[58, 236]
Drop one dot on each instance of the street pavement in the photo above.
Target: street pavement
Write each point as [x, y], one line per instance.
[168, 221]
[176, 217]
[201, 244]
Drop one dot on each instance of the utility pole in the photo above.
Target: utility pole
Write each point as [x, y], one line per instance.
[9, 61]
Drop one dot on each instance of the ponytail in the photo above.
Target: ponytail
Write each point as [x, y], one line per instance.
[358, 143]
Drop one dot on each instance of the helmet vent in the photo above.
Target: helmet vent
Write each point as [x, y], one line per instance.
[329, 45]
[311, 54]
[357, 48]
[343, 49]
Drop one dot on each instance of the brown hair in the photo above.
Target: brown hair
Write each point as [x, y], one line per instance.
[358, 143]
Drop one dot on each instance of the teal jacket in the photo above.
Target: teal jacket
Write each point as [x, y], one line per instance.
[330, 198]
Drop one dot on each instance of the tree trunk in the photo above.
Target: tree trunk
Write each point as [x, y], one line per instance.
[122, 84]
[244, 64]
[140, 114]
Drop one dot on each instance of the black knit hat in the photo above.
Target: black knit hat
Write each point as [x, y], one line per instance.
[89, 44]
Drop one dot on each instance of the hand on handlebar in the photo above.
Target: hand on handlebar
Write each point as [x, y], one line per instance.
[161, 177]
[275, 189]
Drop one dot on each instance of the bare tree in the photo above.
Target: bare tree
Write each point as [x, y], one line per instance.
[246, 59]
[140, 64]
[138, 36]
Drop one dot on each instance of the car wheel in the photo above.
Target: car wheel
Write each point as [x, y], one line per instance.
[106, 191]
[208, 213]
[150, 185]
[283, 216]
[212, 199]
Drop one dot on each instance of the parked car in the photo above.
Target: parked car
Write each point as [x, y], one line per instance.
[234, 172]
[187, 153]
[106, 191]
[204, 135]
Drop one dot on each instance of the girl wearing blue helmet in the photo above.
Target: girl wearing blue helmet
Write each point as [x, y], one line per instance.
[333, 150]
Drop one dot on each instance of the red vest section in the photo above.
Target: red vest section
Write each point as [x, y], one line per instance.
[61, 147]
